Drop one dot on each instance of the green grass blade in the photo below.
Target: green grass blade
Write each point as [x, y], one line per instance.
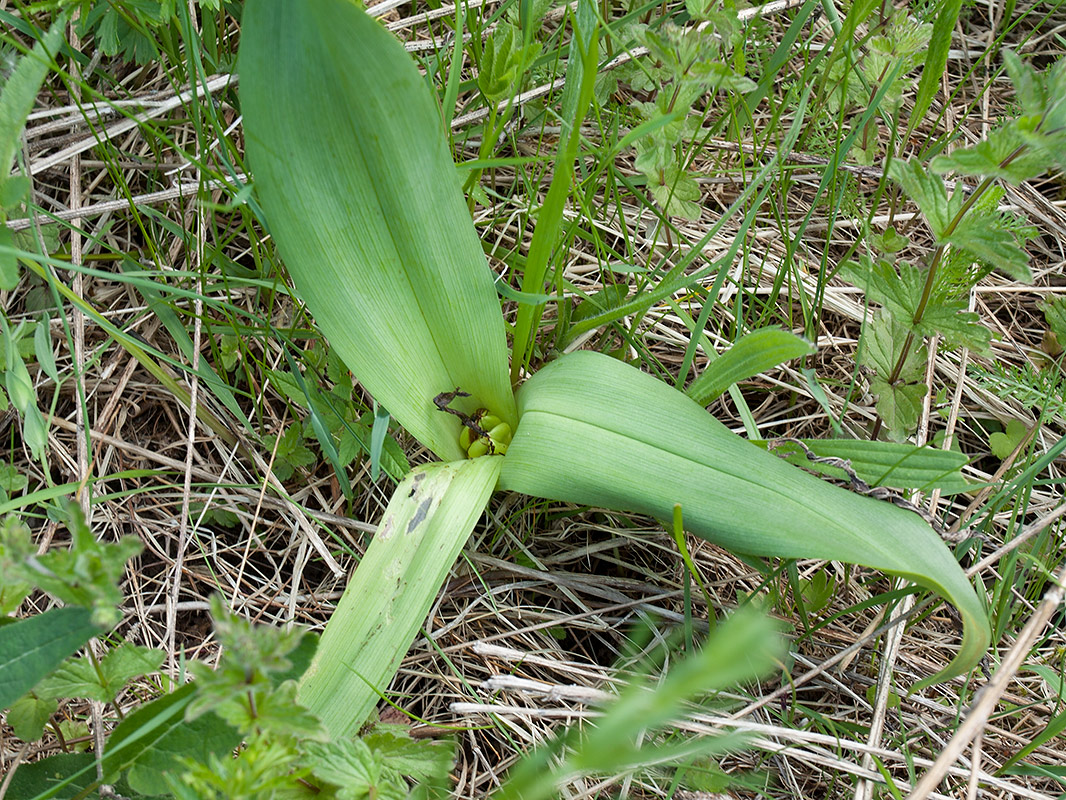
[752, 354]
[364, 202]
[936, 61]
[596, 431]
[580, 82]
[428, 520]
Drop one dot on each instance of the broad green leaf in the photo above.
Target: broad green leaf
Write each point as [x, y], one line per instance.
[895, 464]
[28, 715]
[427, 521]
[35, 646]
[751, 355]
[596, 431]
[363, 200]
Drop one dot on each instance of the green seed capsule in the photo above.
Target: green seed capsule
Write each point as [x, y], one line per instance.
[478, 448]
[466, 438]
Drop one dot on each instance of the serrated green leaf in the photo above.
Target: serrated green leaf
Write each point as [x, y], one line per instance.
[752, 354]
[928, 191]
[900, 293]
[581, 440]
[991, 241]
[81, 678]
[675, 191]
[989, 158]
[382, 250]
[1054, 309]
[899, 405]
[20, 91]
[427, 521]
[958, 327]
[883, 340]
[424, 759]
[349, 764]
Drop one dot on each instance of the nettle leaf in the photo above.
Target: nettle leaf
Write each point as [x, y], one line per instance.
[960, 328]
[424, 759]
[1043, 99]
[359, 770]
[929, 192]
[713, 75]
[1040, 94]
[989, 158]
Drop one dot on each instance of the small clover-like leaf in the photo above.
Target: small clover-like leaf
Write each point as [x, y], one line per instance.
[1002, 443]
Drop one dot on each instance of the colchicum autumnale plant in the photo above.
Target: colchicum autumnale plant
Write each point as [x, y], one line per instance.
[364, 202]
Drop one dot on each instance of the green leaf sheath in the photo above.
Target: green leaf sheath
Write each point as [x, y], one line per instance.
[596, 431]
[363, 200]
[427, 521]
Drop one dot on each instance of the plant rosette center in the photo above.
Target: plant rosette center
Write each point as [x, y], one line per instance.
[484, 434]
